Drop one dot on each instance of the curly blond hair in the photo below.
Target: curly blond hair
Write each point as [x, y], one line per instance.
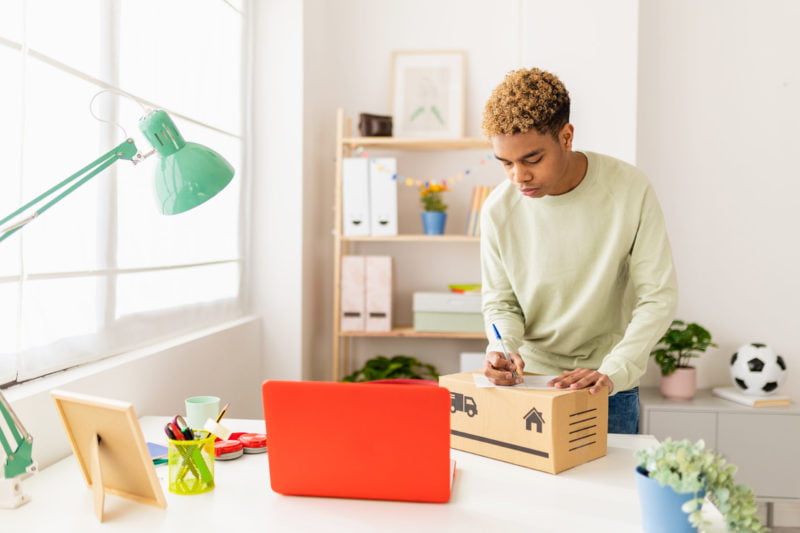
[526, 99]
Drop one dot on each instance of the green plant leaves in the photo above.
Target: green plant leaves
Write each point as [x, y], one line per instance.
[690, 467]
[681, 342]
[398, 367]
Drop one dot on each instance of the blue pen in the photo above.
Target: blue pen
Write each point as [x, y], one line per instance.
[505, 352]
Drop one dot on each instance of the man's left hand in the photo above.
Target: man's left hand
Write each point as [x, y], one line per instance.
[581, 378]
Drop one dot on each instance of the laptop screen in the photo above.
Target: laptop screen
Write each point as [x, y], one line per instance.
[358, 440]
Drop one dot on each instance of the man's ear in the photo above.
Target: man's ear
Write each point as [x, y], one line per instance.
[566, 135]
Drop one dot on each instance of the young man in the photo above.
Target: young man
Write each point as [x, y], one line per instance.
[576, 264]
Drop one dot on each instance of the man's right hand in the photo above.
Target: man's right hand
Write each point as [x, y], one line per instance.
[499, 371]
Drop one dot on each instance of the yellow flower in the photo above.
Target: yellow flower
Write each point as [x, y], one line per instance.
[431, 195]
[430, 188]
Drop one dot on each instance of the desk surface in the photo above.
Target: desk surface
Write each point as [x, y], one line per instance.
[488, 495]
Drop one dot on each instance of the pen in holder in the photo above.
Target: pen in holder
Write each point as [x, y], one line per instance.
[191, 464]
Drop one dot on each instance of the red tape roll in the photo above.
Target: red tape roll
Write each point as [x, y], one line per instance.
[228, 449]
[254, 442]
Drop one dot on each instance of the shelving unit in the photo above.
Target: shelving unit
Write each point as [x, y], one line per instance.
[345, 146]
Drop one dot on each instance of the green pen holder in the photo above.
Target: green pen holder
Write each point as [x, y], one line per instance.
[191, 465]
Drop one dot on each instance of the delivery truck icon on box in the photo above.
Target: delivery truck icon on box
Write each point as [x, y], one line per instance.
[460, 402]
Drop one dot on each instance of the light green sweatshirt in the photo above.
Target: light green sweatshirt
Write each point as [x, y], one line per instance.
[583, 279]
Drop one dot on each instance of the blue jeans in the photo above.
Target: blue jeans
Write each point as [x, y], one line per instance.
[623, 412]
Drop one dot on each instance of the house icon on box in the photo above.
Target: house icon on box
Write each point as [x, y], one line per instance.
[534, 417]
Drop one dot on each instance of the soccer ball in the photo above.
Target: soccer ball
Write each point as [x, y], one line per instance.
[757, 370]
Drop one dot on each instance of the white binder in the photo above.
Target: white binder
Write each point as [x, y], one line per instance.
[355, 196]
[383, 195]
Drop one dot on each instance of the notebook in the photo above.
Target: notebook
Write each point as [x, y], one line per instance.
[359, 440]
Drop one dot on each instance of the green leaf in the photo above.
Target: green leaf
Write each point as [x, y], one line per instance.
[398, 367]
[679, 344]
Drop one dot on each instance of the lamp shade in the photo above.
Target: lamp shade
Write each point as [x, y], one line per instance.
[187, 174]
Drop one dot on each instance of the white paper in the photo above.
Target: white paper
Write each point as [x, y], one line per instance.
[529, 382]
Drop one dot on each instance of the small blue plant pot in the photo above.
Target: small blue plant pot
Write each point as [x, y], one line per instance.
[433, 222]
[661, 506]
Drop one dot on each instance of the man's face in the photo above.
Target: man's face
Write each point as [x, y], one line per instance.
[537, 163]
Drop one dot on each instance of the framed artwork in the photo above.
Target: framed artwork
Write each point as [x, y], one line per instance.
[427, 91]
[110, 448]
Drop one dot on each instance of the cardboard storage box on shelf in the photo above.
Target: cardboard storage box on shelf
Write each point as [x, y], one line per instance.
[548, 430]
[448, 311]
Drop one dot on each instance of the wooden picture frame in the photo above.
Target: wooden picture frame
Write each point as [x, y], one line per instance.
[110, 448]
[428, 93]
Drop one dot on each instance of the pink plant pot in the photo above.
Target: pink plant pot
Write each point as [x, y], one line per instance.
[680, 385]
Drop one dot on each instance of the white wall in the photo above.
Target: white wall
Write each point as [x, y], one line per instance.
[277, 279]
[718, 117]
[592, 46]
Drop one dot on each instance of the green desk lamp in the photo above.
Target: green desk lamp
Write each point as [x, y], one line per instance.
[188, 175]
[18, 459]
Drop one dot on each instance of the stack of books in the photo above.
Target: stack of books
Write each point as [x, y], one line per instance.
[730, 393]
[479, 195]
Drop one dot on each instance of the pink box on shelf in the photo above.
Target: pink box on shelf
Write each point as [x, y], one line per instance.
[379, 293]
[353, 293]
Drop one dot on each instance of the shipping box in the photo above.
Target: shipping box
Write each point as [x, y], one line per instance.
[548, 430]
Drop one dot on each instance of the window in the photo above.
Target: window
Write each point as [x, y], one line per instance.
[103, 272]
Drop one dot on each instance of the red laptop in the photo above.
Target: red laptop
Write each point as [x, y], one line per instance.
[359, 440]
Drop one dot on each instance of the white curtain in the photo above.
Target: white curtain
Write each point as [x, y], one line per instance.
[103, 272]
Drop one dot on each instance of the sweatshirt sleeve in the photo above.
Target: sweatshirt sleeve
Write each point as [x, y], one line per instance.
[652, 275]
[500, 304]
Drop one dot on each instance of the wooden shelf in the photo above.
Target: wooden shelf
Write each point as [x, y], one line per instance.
[346, 146]
[412, 238]
[408, 331]
[395, 143]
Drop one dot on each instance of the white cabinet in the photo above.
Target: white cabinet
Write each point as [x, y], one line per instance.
[768, 444]
[763, 442]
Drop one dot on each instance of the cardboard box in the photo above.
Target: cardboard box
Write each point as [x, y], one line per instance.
[448, 311]
[547, 430]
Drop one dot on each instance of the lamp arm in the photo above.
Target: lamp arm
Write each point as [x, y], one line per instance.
[125, 150]
[18, 459]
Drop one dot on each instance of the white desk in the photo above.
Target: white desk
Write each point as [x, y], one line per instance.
[488, 495]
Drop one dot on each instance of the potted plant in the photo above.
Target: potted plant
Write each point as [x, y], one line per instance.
[674, 353]
[434, 213]
[399, 367]
[673, 479]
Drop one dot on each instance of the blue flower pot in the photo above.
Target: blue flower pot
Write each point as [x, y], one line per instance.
[433, 222]
[661, 506]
